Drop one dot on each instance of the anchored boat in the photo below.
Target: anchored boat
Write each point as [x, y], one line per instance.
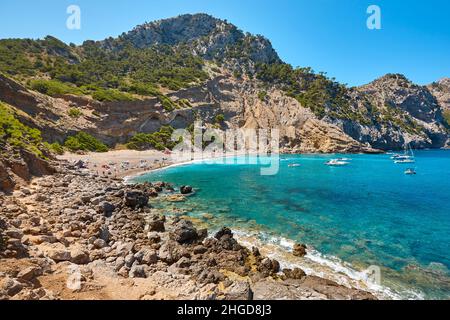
[410, 172]
[407, 157]
[336, 163]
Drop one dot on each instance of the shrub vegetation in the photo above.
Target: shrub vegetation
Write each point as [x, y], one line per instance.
[18, 135]
[84, 142]
[160, 140]
[75, 113]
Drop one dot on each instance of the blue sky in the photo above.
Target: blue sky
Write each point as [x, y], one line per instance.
[328, 35]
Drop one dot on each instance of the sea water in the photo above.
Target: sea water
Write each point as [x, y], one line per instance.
[368, 213]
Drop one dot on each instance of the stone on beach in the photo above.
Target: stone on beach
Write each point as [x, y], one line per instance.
[153, 237]
[186, 190]
[269, 266]
[79, 256]
[184, 232]
[10, 286]
[156, 223]
[296, 273]
[29, 273]
[176, 198]
[59, 255]
[299, 250]
[106, 208]
[136, 199]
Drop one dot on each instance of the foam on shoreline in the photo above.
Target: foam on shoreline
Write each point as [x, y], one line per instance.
[318, 264]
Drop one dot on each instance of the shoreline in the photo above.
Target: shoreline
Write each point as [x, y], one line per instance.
[163, 161]
[318, 264]
[314, 263]
[160, 161]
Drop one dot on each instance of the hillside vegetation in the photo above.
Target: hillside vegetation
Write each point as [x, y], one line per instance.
[15, 134]
[54, 68]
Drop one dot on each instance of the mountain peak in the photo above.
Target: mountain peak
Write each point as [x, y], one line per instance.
[389, 80]
[205, 36]
[393, 77]
[444, 82]
[171, 31]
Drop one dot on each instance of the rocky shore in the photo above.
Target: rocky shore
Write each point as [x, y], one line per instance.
[74, 235]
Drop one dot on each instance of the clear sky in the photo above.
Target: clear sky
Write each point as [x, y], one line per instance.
[328, 35]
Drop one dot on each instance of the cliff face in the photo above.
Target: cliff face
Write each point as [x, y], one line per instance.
[243, 107]
[398, 112]
[237, 100]
[240, 102]
[49, 115]
[21, 169]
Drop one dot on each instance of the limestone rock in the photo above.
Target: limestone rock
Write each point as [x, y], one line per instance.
[299, 250]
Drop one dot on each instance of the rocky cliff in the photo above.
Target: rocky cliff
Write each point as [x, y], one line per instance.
[395, 112]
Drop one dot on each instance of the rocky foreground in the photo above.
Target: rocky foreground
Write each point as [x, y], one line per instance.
[74, 235]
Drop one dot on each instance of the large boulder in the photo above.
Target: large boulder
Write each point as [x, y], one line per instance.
[299, 250]
[210, 276]
[79, 256]
[184, 232]
[136, 199]
[10, 286]
[223, 232]
[171, 251]
[156, 223]
[238, 290]
[226, 240]
[106, 209]
[186, 190]
[269, 267]
[59, 255]
[137, 271]
[29, 273]
[295, 274]
[149, 257]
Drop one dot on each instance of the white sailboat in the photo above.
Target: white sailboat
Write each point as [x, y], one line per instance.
[407, 157]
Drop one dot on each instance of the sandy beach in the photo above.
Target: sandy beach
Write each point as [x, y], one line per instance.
[121, 163]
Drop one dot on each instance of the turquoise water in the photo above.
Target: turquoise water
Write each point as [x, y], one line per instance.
[368, 213]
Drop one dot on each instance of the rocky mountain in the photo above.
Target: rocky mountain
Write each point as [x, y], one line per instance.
[396, 112]
[175, 71]
[441, 90]
[205, 36]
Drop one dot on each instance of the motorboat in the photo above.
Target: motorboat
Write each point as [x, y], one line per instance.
[410, 172]
[336, 163]
[403, 161]
[401, 157]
